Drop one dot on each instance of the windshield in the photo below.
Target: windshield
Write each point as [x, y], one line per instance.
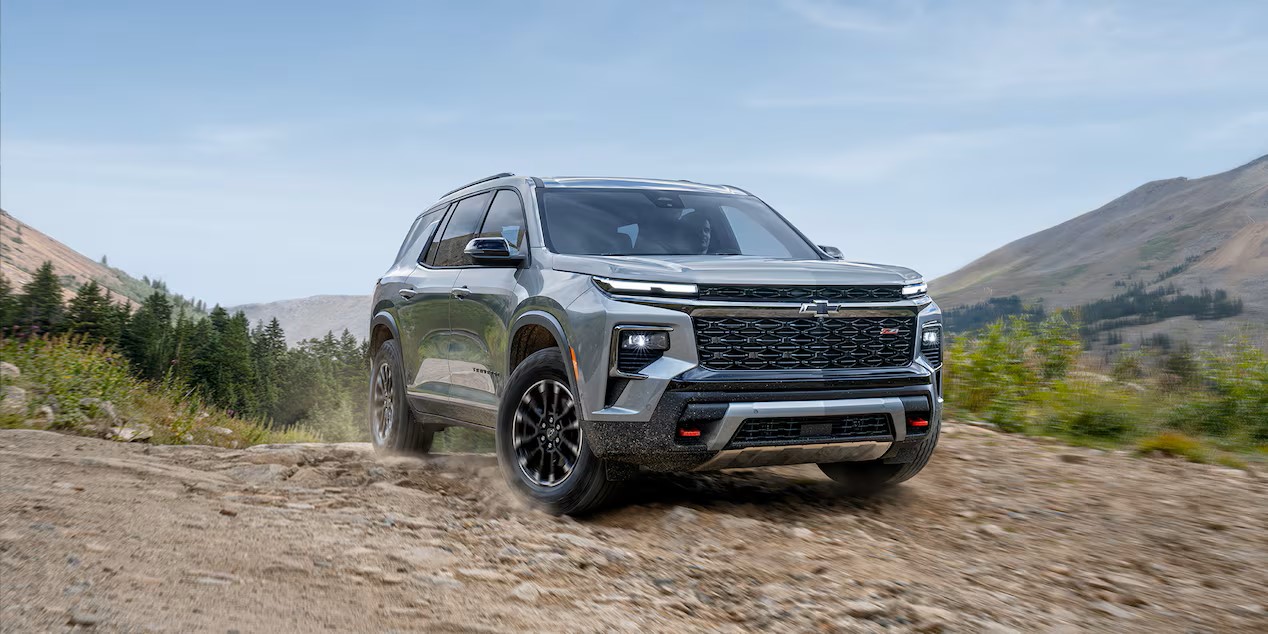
[654, 222]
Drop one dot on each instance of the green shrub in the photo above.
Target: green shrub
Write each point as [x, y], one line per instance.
[1174, 444]
[1021, 377]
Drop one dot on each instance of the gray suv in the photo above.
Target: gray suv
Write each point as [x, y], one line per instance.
[600, 326]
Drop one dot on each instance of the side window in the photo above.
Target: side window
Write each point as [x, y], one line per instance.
[410, 237]
[505, 219]
[425, 238]
[460, 229]
[751, 237]
[418, 236]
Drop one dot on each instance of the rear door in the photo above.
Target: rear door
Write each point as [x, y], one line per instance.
[423, 317]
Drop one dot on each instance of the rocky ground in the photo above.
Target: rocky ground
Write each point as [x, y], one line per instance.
[1000, 533]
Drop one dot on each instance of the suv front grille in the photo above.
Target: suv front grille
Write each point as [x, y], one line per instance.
[802, 293]
[775, 343]
[802, 431]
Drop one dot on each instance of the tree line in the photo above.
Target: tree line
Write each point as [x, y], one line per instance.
[1133, 307]
[248, 370]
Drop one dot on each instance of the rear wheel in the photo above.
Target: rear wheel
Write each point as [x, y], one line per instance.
[541, 446]
[873, 476]
[392, 424]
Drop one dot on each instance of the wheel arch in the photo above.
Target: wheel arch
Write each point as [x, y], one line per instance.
[528, 334]
[382, 327]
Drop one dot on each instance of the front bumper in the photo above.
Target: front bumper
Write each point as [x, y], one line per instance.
[719, 411]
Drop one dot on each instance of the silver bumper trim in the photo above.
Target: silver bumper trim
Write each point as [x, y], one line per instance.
[737, 413]
[795, 454]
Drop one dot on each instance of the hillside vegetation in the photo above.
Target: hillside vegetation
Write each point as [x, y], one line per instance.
[218, 361]
[1194, 249]
[1023, 376]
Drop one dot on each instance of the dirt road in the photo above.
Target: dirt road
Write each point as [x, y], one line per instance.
[1000, 533]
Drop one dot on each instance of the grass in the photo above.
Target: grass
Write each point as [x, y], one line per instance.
[65, 373]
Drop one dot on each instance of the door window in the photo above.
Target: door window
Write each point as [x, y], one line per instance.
[505, 219]
[460, 229]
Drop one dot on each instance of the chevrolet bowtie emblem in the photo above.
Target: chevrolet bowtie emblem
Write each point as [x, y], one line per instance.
[820, 307]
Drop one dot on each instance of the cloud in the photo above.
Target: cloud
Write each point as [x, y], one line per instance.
[883, 159]
[842, 17]
[236, 139]
[944, 55]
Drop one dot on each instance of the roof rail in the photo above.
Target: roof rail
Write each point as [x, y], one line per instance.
[478, 181]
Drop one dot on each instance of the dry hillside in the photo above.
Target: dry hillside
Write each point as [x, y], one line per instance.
[1216, 227]
[23, 249]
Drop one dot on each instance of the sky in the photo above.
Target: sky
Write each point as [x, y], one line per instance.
[253, 151]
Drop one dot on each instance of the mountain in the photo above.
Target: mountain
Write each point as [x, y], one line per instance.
[313, 317]
[1190, 234]
[23, 249]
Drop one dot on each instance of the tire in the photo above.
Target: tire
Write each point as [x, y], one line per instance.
[870, 477]
[551, 464]
[392, 424]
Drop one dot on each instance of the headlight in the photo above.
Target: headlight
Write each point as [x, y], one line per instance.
[915, 290]
[630, 287]
[644, 340]
[931, 343]
[636, 347]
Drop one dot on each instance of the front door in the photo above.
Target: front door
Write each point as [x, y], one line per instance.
[485, 300]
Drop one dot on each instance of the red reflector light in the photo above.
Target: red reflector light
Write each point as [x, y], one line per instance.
[689, 433]
[919, 422]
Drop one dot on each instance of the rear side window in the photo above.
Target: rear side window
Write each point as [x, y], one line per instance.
[460, 229]
[410, 237]
[505, 219]
[419, 235]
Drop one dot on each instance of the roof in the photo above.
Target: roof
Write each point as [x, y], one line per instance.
[594, 182]
[637, 183]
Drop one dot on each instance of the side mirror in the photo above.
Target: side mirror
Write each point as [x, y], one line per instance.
[493, 252]
[832, 252]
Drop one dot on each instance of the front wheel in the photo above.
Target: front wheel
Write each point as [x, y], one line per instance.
[541, 446]
[392, 424]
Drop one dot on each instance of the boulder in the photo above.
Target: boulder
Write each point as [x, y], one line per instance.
[135, 433]
[12, 400]
[9, 371]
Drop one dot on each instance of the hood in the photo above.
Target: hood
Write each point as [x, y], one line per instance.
[734, 269]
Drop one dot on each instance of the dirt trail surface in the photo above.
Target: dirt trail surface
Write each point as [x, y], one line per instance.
[1000, 533]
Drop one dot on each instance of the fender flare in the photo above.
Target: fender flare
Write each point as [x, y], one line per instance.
[556, 330]
[384, 318]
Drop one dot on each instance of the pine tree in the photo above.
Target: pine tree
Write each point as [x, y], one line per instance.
[268, 345]
[40, 307]
[204, 359]
[116, 318]
[8, 306]
[147, 337]
[239, 381]
[89, 312]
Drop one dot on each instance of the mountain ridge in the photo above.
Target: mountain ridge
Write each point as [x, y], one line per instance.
[1208, 232]
[24, 248]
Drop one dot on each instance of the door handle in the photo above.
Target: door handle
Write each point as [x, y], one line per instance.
[460, 292]
[407, 293]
